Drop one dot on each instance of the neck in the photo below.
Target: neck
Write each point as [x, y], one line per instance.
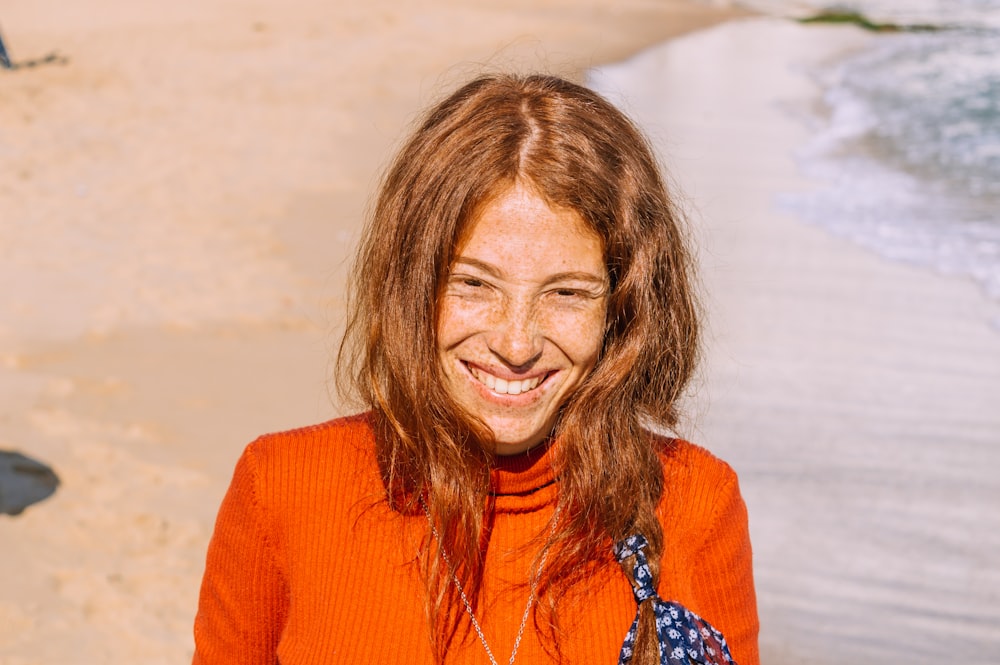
[526, 481]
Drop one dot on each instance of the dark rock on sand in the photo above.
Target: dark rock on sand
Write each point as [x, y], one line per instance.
[23, 481]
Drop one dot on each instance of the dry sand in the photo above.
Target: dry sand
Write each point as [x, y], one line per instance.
[177, 203]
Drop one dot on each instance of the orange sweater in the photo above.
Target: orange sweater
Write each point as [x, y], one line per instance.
[308, 565]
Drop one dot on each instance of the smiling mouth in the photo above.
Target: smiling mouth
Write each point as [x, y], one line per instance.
[507, 386]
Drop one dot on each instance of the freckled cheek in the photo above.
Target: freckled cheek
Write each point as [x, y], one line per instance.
[578, 333]
[460, 319]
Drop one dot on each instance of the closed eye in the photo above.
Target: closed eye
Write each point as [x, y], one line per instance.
[468, 285]
[584, 293]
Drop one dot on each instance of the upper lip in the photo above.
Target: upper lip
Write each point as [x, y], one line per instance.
[506, 374]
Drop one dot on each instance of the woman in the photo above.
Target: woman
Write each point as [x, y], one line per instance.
[522, 309]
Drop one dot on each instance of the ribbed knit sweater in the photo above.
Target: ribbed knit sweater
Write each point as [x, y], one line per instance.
[309, 565]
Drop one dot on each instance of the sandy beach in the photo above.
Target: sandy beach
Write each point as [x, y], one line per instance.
[178, 204]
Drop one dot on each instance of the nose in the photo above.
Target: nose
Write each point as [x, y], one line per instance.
[516, 338]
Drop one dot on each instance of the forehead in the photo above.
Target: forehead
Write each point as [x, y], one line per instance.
[518, 229]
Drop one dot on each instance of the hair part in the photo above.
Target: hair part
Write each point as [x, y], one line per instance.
[577, 151]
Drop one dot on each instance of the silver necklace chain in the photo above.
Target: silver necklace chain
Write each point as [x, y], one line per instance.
[468, 605]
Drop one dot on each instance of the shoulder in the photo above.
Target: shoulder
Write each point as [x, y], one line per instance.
[342, 441]
[683, 460]
[700, 490]
[345, 429]
[336, 457]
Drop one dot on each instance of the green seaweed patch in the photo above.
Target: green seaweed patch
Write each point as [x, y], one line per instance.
[858, 19]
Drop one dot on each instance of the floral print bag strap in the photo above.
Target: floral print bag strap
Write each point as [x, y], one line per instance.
[684, 637]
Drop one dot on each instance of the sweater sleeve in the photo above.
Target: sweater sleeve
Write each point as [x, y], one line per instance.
[243, 600]
[723, 573]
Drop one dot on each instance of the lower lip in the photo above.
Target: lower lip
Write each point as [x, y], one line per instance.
[523, 399]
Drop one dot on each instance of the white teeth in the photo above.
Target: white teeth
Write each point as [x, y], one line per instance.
[503, 386]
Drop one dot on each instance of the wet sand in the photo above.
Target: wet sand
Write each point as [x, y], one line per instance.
[856, 397]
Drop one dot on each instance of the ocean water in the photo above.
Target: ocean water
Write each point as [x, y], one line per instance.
[907, 142]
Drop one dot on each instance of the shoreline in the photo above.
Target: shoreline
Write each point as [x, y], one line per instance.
[187, 190]
[854, 395]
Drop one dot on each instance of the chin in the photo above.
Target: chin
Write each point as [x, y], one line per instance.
[514, 443]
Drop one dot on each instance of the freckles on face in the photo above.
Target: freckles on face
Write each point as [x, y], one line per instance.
[522, 316]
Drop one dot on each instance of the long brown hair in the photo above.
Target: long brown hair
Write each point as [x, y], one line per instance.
[578, 152]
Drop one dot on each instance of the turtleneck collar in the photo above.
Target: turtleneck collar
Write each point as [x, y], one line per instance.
[524, 482]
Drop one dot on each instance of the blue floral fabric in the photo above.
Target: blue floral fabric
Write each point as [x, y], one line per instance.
[685, 637]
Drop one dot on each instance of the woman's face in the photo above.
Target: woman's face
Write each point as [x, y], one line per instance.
[522, 316]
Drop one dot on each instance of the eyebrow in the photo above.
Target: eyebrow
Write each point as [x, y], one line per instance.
[573, 275]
